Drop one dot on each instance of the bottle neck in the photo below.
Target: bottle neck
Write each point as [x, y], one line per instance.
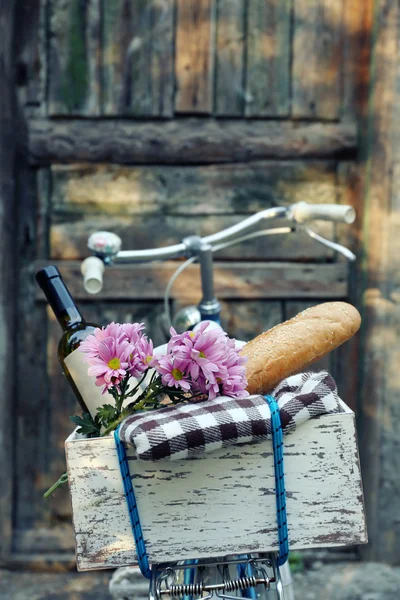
[61, 302]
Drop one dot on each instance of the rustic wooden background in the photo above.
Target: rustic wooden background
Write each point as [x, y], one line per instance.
[161, 118]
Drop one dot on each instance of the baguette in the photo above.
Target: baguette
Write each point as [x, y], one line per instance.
[292, 346]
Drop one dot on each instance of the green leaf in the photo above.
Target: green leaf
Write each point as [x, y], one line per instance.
[106, 414]
[87, 426]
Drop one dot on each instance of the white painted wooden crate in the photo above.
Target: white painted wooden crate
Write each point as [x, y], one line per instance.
[221, 504]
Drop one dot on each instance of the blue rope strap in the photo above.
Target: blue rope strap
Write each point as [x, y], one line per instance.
[277, 443]
[132, 507]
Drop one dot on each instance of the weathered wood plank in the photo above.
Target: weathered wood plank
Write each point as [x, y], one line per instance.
[268, 58]
[317, 59]
[31, 53]
[322, 452]
[350, 192]
[379, 420]
[230, 48]
[357, 35]
[232, 281]
[194, 56]
[116, 62]
[74, 57]
[162, 58]
[136, 201]
[245, 319]
[33, 452]
[137, 64]
[43, 195]
[186, 141]
[8, 275]
[203, 190]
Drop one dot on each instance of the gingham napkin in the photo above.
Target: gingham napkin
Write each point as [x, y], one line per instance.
[193, 429]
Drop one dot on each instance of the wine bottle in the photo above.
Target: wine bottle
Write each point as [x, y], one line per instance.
[75, 330]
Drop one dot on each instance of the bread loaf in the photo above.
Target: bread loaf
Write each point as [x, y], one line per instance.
[292, 346]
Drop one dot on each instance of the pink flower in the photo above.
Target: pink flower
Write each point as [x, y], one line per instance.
[208, 361]
[132, 331]
[145, 351]
[172, 372]
[90, 345]
[129, 345]
[141, 357]
[111, 365]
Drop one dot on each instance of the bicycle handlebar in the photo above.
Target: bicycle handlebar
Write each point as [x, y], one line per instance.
[303, 212]
[106, 245]
[92, 269]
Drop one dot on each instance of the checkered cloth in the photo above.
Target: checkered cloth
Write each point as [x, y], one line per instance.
[193, 429]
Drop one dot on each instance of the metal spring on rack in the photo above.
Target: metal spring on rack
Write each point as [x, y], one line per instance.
[240, 584]
[186, 589]
[197, 589]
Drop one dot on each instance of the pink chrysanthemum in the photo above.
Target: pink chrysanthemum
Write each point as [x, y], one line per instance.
[172, 372]
[132, 331]
[90, 346]
[131, 335]
[111, 365]
[208, 360]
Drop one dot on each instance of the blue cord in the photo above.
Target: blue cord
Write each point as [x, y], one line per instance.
[277, 443]
[132, 507]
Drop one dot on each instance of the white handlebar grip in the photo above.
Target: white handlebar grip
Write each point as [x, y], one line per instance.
[303, 212]
[92, 270]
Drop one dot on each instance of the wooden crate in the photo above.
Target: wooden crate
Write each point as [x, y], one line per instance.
[220, 504]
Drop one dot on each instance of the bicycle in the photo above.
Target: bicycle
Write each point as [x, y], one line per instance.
[248, 574]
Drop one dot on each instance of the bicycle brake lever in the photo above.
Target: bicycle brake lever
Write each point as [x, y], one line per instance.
[337, 247]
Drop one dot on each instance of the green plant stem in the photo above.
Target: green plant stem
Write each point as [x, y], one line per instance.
[63, 479]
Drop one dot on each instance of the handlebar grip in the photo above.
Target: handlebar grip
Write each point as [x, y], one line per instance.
[303, 212]
[92, 270]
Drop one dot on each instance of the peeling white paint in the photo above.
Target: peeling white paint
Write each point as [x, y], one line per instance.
[221, 504]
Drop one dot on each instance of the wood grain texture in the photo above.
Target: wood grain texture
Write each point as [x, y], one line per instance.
[134, 202]
[357, 40]
[245, 319]
[185, 141]
[137, 65]
[194, 56]
[8, 275]
[268, 58]
[74, 58]
[379, 423]
[200, 190]
[317, 59]
[246, 280]
[230, 53]
[350, 192]
[233, 506]
[379, 420]
[31, 58]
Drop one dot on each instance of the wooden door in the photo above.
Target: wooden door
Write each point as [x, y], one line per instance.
[158, 119]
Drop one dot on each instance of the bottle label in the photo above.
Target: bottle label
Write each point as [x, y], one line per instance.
[86, 385]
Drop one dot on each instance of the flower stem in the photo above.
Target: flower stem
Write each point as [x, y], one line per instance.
[63, 479]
